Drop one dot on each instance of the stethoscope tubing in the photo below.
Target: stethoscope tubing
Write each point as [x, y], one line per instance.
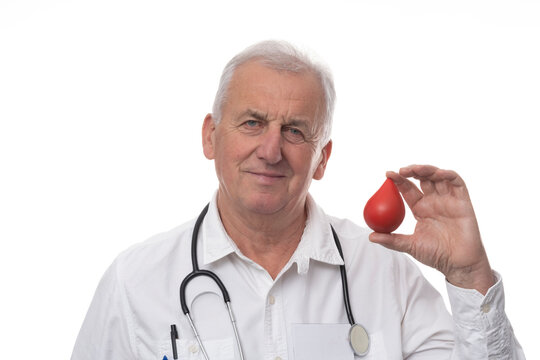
[196, 272]
[344, 282]
[195, 264]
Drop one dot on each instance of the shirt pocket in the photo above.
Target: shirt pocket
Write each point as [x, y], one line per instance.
[321, 342]
[217, 349]
[331, 341]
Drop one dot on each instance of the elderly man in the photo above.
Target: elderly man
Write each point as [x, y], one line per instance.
[279, 256]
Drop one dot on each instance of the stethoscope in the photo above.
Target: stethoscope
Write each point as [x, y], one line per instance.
[358, 336]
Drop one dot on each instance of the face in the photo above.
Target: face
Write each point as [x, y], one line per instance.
[266, 147]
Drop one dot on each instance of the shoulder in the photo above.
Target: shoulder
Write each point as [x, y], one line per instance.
[354, 239]
[359, 251]
[155, 253]
[385, 272]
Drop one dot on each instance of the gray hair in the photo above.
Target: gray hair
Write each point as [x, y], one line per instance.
[281, 56]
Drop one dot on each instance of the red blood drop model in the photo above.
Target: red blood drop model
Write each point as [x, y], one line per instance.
[385, 211]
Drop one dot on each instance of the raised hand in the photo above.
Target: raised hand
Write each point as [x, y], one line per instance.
[446, 236]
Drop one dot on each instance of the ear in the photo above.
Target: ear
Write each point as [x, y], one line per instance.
[208, 130]
[325, 155]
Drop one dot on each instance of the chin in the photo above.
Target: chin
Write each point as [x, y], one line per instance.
[265, 205]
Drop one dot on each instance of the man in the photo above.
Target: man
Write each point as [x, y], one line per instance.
[274, 251]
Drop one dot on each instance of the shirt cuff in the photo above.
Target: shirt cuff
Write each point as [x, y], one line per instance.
[481, 326]
[470, 306]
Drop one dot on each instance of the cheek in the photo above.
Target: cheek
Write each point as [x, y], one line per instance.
[303, 162]
[229, 154]
[232, 153]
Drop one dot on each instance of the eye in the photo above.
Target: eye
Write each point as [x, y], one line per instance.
[251, 123]
[293, 135]
[251, 126]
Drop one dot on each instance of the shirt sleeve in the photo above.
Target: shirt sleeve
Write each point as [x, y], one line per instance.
[106, 332]
[481, 328]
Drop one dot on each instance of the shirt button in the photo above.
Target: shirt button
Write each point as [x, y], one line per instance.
[272, 301]
[486, 308]
[193, 349]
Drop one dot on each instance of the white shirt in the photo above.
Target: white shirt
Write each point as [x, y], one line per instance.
[299, 315]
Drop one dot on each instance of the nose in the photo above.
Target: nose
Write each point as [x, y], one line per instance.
[270, 146]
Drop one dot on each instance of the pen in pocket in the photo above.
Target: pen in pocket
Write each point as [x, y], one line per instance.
[174, 336]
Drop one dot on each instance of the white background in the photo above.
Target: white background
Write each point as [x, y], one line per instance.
[101, 104]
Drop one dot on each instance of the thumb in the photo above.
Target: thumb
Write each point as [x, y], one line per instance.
[397, 242]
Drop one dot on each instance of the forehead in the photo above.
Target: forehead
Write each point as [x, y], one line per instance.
[256, 85]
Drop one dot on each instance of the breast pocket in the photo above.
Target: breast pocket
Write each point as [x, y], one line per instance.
[331, 341]
[217, 349]
[321, 342]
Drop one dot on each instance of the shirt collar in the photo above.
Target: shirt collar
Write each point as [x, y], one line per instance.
[317, 242]
[216, 242]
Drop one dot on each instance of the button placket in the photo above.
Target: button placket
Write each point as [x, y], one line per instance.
[275, 329]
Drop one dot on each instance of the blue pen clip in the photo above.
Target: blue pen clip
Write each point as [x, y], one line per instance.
[165, 357]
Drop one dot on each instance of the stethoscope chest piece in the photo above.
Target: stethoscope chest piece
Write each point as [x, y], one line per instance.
[359, 339]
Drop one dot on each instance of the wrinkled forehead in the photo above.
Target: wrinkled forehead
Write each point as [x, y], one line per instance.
[257, 80]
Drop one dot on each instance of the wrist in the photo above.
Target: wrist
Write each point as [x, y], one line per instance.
[480, 277]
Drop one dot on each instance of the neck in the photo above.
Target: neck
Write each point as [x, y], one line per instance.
[268, 240]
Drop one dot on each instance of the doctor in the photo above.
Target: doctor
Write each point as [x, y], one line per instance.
[272, 247]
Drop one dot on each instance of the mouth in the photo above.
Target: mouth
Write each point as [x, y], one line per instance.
[266, 178]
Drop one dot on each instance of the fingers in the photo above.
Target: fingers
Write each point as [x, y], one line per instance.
[431, 173]
[432, 181]
[411, 194]
[435, 180]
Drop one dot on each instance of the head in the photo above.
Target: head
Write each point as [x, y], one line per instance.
[269, 133]
[281, 56]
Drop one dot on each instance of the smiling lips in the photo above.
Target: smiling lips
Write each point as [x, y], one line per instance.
[266, 178]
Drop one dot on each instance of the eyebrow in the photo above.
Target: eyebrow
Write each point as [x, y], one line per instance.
[255, 114]
[264, 117]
